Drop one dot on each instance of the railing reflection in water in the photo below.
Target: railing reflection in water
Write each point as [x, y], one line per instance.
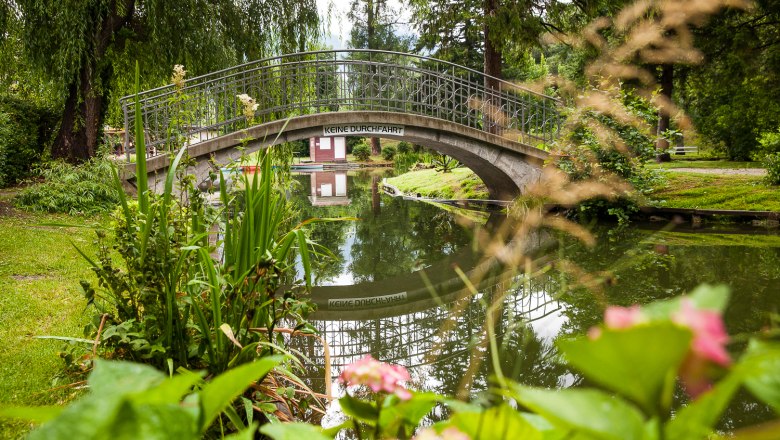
[435, 344]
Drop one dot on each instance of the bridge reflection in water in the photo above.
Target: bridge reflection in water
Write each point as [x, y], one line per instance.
[442, 339]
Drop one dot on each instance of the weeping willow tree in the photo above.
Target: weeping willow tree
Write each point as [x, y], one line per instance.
[86, 47]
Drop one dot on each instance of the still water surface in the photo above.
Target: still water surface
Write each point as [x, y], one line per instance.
[394, 292]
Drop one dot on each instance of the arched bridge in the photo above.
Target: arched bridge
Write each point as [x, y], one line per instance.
[490, 125]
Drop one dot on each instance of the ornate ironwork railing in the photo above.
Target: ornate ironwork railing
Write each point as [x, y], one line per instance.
[307, 83]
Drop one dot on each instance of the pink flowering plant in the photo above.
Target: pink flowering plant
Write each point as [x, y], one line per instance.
[640, 356]
[394, 412]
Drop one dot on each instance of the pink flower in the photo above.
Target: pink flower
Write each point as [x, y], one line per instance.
[709, 333]
[616, 317]
[451, 433]
[378, 376]
[708, 345]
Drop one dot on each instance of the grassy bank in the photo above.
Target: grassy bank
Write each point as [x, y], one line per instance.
[713, 191]
[678, 190]
[709, 164]
[461, 183]
[39, 295]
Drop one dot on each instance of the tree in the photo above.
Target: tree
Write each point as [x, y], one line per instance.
[735, 95]
[475, 33]
[86, 48]
[373, 25]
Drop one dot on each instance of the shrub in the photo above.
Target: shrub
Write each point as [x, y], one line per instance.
[772, 165]
[362, 152]
[25, 129]
[352, 142]
[88, 188]
[769, 143]
[388, 153]
[404, 147]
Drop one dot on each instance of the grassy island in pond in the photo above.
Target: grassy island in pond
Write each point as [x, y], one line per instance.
[460, 183]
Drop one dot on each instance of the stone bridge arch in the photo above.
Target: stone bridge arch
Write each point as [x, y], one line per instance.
[441, 105]
[505, 166]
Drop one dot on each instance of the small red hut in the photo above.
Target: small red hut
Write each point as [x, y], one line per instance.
[328, 149]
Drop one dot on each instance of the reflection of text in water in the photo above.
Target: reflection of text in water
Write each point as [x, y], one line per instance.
[355, 303]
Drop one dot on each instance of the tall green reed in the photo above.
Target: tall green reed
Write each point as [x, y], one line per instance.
[169, 302]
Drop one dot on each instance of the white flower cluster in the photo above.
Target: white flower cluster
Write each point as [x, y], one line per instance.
[250, 106]
[178, 76]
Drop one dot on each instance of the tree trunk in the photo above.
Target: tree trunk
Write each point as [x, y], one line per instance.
[664, 118]
[376, 147]
[82, 118]
[79, 134]
[492, 67]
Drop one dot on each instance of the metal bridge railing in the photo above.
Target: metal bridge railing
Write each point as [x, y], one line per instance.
[308, 83]
[433, 337]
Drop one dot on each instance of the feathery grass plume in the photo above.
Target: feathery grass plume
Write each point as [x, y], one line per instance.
[177, 78]
[602, 120]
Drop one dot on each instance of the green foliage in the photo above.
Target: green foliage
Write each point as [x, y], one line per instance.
[586, 155]
[166, 300]
[352, 142]
[88, 188]
[772, 164]
[740, 46]
[25, 130]
[361, 151]
[389, 152]
[445, 164]
[637, 365]
[403, 162]
[404, 147]
[769, 143]
[127, 400]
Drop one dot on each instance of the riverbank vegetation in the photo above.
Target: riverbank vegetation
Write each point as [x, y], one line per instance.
[460, 183]
[716, 191]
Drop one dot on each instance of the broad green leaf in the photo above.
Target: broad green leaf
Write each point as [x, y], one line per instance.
[223, 389]
[363, 411]
[115, 377]
[170, 391]
[331, 432]
[501, 422]
[697, 419]
[293, 431]
[34, 414]
[591, 412]
[761, 365]
[152, 422]
[397, 413]
[244, 434]
[704, 296]
[89, 417]
[638, 363]
[545, 428]
[710, 297]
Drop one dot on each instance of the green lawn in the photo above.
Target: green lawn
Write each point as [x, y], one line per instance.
[713, 191]
[39, 295]
[461, 183]
[687, 163]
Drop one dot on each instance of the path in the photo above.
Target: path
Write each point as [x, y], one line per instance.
[722, 171]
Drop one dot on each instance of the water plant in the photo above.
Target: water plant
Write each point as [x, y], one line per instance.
[168, 301]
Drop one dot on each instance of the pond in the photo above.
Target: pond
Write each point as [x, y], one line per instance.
[395, 291]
